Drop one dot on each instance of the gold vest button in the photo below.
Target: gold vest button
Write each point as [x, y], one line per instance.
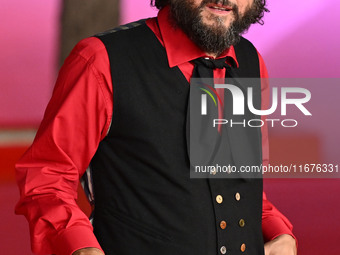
[242, 223]
[219, 199]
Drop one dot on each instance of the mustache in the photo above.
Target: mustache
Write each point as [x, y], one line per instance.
[222, 2]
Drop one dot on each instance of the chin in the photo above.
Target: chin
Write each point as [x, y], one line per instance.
[217, 21]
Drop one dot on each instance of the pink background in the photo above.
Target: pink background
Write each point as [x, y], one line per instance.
[299, 39]
[28, 50]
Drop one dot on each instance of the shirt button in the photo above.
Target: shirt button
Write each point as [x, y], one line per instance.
[242, 223]
[238, 196]
[223, 250]
[219, 199]
[223, 224]
[243, 247]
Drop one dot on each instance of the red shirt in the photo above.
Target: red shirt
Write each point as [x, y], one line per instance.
[77, 118]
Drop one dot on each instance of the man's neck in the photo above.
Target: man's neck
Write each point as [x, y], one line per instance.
[212, 55]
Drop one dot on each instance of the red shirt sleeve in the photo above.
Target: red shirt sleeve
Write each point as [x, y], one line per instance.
[76, 120]
[274, 223]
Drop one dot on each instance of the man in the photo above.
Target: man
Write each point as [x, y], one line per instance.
[119, 106]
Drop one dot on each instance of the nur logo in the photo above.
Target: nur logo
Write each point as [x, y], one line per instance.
[212, 93]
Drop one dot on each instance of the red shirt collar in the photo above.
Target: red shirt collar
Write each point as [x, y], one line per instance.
[178, 46]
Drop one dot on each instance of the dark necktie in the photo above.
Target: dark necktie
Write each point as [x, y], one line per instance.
[204, 67]
[235, 145]
[207, 146]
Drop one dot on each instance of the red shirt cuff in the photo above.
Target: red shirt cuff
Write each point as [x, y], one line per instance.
[75, 238]
[274, 227]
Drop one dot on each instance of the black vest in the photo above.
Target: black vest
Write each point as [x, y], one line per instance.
[145, 201]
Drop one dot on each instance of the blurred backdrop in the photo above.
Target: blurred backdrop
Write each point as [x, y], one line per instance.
[300, 39]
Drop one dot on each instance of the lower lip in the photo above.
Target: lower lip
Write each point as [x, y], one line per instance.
[218, 12]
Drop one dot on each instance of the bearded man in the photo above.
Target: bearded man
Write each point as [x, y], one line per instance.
[118, 117]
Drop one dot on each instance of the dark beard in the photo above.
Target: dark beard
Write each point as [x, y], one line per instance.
[215, 38]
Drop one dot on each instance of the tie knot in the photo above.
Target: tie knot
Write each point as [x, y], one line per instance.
[211, 63]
